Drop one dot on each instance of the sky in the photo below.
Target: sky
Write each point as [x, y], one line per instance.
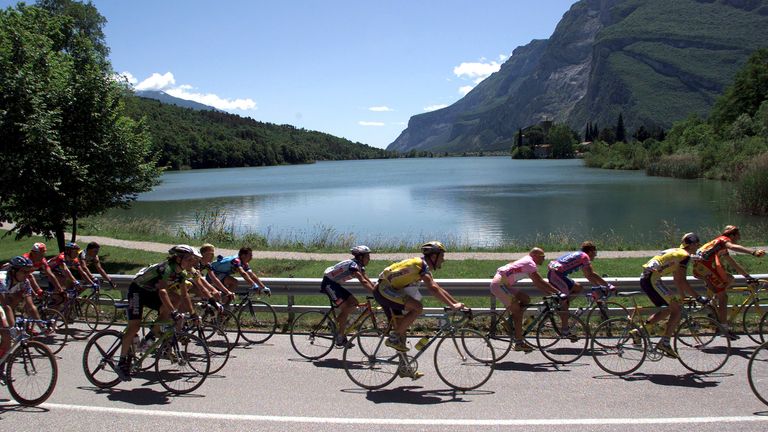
[357, 69]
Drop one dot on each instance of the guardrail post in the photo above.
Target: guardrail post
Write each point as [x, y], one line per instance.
[290, 309]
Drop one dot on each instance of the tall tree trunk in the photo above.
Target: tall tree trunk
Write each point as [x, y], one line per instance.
[59, 232]
[74, 227]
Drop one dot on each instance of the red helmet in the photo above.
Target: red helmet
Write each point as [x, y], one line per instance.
[39, 247]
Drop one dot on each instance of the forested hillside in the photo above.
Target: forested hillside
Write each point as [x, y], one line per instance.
[187, 138]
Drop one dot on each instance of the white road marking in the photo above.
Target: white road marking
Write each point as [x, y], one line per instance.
[387, 421]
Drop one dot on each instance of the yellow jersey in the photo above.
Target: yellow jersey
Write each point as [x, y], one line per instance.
[667, 262]
[401, 274]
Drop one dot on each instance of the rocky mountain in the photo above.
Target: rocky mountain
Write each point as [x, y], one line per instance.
[654, 61]
[172, 100]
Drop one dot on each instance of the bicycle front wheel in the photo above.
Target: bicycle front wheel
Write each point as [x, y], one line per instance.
[183, 362]
[462, 368]
[258, 321]
[370, 363]
[751, 314]
[107, 310]
[701, 345]
[757, 372]
[57, 337]
[600, 313]
[86, 319]
[560, 343]
[313, 334]
[497, 329]
[218, 345]
[618, 347]
[31, 373]
[100, 358]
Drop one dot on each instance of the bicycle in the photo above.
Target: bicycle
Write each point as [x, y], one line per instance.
[749, 309]
[104, 302]
[73, 309]
[556, 346]
[314, 333]
[256, 319]
[181, 359]
[699, 341]
[757, 372]
[463, 358]
[55, 335]
[29, 368]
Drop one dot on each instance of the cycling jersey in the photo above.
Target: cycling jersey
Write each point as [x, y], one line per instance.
[713, 250]
[7, 287]
[87, 259]
[225, 266]
[708, 267]
[569, 263]
[508, 275]
[344, 271]
[60, 261]
[40, 264]
[663, 264]
[395, 282]
[167, 271]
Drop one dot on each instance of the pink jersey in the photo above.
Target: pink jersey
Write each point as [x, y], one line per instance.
[517, 270]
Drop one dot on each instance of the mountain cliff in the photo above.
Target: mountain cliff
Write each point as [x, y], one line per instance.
[654, 61]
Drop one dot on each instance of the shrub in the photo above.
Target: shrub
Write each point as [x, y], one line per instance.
[752, 187]
[685, 166]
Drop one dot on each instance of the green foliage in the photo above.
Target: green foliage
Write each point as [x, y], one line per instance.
[561, 138]
[187, 138]
[522, 152]
[684, 166]
[752, 187]
[748, 92]
[628, 156]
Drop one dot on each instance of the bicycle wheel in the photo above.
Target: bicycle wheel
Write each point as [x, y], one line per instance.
[258, 321]
[31, 373]
[183, 362]
[599, 313]
[496, 329]
[763, 327]
[313, 334]
[107, 310]
[100, 358]
[757, 372]
[370, 363]
[227, 321]
[560, 346]
[751, 314]
[57, 338]
[615, 349]
[86, 318]
[701, 344]
[218, 345]
[462, 368]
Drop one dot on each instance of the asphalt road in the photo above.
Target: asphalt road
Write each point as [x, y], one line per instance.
[268, 387]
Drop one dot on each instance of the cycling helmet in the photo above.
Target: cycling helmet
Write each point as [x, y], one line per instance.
[689, 238]
[39, 247]
[71, 245]
[20, 262]
[182, 249]
[432, 248]
[730, 230]
[360, 250]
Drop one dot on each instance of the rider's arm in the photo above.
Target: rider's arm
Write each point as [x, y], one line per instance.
[185, 297]
[364, 281]
[216, 283]
[542, 285]
[440, 293]
[162, 292]
[101, 271]
[682, 284]
[250, 277]
[51, 279]
[593, 277]
[746, 250]
[729, 259]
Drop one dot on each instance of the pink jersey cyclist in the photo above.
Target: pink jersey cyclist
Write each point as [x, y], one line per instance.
[502, 285]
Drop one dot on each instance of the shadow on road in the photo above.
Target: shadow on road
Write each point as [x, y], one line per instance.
[687, 380]
[535, 367]
[18, 408]
[413, 395]
[140, 396]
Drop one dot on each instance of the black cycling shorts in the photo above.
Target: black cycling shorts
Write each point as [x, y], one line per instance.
[138, 297]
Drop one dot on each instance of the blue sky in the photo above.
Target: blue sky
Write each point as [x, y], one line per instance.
[356, 69]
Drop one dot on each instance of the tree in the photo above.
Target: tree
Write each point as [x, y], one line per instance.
[67, 149]
[749, 90]
[607, 135]
[519, 137]
[85, 21]
[561, 138]
[621, 132]
[641, 134]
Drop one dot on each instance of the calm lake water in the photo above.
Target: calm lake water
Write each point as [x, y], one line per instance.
[476, 201]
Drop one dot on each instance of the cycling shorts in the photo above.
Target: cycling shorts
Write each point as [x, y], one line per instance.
[560, 281]
[713, 274]
[503, 291]
[657, 291]
[390, 308]
[138, 298]
[336, 293]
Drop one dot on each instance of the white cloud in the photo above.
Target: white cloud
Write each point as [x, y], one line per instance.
[382, 108]
[157, 82]
[435, 107]
[127, 76]
[370, 123]
[463, 90]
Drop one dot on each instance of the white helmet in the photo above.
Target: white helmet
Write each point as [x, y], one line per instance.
[360, 250]
[183, 249]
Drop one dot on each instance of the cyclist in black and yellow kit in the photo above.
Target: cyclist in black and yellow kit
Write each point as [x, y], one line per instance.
[400, 298]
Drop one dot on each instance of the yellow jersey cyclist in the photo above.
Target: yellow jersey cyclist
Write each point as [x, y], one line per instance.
[339, 296]
[672, 262]
[399, 296]
[151, 288]
[708, 266]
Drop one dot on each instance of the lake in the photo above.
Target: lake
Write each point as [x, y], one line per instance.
[479, 201]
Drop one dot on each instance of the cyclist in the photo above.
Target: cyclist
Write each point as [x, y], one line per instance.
[62, 265]
[503, 288]
[339, 296]
[17, 288]
[219, 290]
[708, 266]
[397, 293]
[90, 256]
[562, 267]
[224, 267]
[37, 255]
[673, 262]
[151, 288]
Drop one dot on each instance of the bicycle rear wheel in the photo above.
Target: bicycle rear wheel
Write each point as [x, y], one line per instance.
[600, 313]
[183, 363]
[313, 334]
[370, 363]
[58, 337]
[701, 345]
[258, 321]
[615, 349]
[560, 346]
[464, 360]
[757, 372]
[100, 358]
[31, 373]
[496, 329]
[85, 318]
[107, 310]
